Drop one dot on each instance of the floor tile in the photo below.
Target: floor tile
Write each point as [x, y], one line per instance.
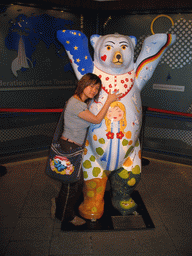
[38, 201]
[38, 197]
[9, 221]
[71, 243]
[28, 247]
[156, 241]
[5, 236]
[169, 188]
[23, 169]
[182, 240]
[33, 229]
[35, 212]
[150, 206]
[12, 200]
[111, 243]
[175, 216]
[150, 253]
[14, 188]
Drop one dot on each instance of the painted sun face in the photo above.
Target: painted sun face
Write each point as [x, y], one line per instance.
[115, 114]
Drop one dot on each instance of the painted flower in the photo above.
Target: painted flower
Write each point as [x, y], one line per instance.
[120, 135]
[110, 135]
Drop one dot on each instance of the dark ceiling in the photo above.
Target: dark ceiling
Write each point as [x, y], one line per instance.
[124, 4]
[113, 5]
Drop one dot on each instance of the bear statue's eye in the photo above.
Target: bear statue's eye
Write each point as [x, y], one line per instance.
[123, 47]
[108, 47]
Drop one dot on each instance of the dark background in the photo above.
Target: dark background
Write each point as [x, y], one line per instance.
[21, 132]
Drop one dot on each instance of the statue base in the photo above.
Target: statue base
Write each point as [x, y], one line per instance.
[112, 220]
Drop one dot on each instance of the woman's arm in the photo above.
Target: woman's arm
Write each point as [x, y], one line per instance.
[96, 119]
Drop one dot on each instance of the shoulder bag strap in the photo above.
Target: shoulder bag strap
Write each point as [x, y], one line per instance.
[59, 128]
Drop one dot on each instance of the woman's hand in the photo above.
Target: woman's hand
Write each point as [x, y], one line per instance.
[113, 96]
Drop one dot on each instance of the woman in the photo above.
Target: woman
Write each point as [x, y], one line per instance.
[77, 119]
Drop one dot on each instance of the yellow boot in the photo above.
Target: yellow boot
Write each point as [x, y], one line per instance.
[92, 207]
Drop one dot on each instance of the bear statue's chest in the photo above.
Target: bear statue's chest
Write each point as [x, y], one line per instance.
[122, 83]
[124, 115]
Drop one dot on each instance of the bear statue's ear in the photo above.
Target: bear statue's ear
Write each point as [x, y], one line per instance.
[94, 39]
[134, 40]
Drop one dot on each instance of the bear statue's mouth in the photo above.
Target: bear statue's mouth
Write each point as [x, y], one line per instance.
[118, 62]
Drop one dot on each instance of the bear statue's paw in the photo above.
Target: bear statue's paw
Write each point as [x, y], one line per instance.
[91, 211]
[124, 206]
[93, 205]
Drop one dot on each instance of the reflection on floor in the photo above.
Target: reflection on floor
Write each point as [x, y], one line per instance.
[27, 229]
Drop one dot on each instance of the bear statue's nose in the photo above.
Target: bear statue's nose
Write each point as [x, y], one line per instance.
[118, 56]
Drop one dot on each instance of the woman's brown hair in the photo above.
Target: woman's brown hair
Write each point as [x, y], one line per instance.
[86, 80]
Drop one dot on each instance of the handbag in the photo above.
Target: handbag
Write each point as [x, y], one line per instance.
[61, 165]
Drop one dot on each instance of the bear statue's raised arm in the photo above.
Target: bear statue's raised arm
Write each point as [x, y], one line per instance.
[151, 53]
[76, 46]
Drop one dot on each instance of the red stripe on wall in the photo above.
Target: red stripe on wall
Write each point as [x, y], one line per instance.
[30, 110]
[169, 112]
[58, 110]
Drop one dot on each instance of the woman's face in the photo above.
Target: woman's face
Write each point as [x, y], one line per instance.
[90, 91]
[115, 113]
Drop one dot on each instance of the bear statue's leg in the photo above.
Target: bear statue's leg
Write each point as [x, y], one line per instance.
[122, 185]
[93, 205]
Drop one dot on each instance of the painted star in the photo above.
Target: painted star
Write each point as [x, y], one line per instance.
[151, 68]
[148, 49]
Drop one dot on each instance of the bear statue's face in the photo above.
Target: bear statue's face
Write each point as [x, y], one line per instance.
[113, 54]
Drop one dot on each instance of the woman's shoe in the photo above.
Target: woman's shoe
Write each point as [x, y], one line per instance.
[78, 221]
[53, 208]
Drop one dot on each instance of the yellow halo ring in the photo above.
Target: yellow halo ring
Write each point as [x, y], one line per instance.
[161, 15]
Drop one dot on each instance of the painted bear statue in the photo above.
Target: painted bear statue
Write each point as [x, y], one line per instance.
[112, 149]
